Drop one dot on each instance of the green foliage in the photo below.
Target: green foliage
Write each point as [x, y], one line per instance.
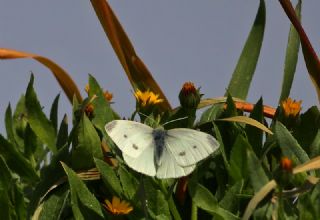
[241, 78]
[35, 184]
[76, 172]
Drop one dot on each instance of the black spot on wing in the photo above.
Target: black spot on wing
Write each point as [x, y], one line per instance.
[194, 146]
[135, 147]
[125, 136]
[182, 153]
[110, 126]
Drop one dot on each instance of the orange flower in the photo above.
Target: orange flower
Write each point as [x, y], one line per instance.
[286, 164]
[108, 95]
[147, 98]
[291, 107]
[188, 88]
[117, 207]
[89, 110]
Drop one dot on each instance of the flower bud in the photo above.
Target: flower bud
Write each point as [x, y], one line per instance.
[286, 164]
[89, 110]
[108, 95]
[189, 96]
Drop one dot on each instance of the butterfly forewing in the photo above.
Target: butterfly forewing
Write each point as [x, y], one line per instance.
[131, 137]
[190, 146]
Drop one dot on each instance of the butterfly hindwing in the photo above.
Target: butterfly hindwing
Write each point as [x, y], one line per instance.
[131, 137]
[169, 167]
[189, 146]
[144, 163]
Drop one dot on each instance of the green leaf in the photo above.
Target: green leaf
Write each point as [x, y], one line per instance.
[87, 146]
[254, 134]
[16, 161]
[308, 127]
[203, 199]
[258, 177]
[9, 125]
[315, 145]
[54, 112]
[308, 204]
[291, 59]
[211, 113]
[129, 183]
[38, 120]
[289, 146]
[157, 203]
[230, 201]
[62, 137]
[47, 180]
[84, 204]
[31, 144]
[7, 208]
[12, 201]
[19, 122]
[109, 177]
[221, 147]
[238, 159]
[231, 109]
[102, 110]
[241, 78]
[54, 206]
[11, 131]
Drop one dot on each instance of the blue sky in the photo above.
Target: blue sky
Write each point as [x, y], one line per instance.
[198, 41]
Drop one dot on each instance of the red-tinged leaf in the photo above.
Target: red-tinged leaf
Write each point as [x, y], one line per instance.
[137, 73]
[291, 59]
[63, 78]
[310, 56]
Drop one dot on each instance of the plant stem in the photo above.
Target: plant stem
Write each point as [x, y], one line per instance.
[173, 209]
[194, 211]
[172, 205]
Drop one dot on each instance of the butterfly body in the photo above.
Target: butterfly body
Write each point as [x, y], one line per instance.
[159, 135]
[157, 152]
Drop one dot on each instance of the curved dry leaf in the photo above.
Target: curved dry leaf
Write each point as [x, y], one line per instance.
[311, 181]
[312, 164]
[257, 198]
[63, 78]
[268, 111]
[137, 73]
[211, 101]
[247, 120]
[37, 212]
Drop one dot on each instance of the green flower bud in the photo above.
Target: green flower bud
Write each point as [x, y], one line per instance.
[189, 96]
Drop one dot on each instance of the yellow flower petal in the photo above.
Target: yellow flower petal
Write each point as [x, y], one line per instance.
[118, 207]
[291, 107]
[147, 98]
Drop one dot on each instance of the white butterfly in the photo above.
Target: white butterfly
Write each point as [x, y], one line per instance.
[157, 152]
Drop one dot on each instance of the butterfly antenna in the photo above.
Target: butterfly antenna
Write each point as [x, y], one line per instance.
[148, 116]
[178, 119]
